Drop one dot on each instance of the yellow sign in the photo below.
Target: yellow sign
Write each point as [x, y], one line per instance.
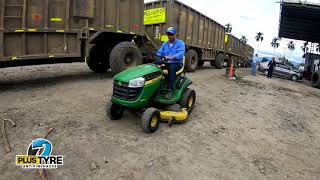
[155, 16]
[226, 37]
[27, 159]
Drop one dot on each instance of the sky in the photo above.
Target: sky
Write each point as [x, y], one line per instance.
[247, 18]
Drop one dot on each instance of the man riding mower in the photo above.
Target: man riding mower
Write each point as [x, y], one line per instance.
[161, 94]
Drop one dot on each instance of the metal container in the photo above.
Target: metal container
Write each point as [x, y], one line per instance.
[51, 29]
[198, 31]
[234, 46]
[249, 52]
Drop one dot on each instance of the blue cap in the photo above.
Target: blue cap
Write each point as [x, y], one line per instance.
[171, 30]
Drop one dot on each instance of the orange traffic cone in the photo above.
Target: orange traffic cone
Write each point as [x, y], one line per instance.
[231, 71]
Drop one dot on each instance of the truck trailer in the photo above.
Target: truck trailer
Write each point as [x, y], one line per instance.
[61, 31]
[205, 38]
[108, 34]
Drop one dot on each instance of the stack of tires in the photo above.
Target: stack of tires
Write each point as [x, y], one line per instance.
[315, 79]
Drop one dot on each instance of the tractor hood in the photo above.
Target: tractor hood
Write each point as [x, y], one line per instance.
[136, 72]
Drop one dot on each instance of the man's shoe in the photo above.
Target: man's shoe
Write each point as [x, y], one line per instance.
[168, 95]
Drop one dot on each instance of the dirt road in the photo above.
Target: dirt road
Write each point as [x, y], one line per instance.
[252, 128]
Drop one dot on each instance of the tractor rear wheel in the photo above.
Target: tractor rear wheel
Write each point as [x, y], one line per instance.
[173, 107]
[188, 100]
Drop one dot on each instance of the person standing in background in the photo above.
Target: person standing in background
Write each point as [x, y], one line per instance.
[254, 65]
[271, 66]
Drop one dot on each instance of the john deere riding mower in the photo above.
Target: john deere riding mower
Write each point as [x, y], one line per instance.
[143, 89]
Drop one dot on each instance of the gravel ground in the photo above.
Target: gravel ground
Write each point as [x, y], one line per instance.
[251, 128]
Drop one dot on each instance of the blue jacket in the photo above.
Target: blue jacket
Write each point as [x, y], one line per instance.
[177, 51]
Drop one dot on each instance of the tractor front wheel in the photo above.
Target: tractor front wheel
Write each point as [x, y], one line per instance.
[114, 111]
[150, 120]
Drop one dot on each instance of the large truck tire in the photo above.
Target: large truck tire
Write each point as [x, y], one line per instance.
[191, 60]
[241, 62]
[315, 79]
[218, 62]
[200, 63]
[235, 62]
[124, 55]
[98, 60]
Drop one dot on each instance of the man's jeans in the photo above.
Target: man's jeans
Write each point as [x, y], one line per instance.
[254, 68]
[172, 69]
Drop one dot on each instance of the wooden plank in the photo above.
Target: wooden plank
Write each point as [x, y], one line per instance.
[45, 43]
[186, 25]
[118, 14]
[46, 12]
[24, 14]
[67, 21]
[198, 41]
[24, 18]
[102, 15]
[45, 36]
[1, 44]
[2, 14]
[131, 14]
[2, 2]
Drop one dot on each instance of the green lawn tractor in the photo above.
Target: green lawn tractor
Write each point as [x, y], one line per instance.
[143, 89]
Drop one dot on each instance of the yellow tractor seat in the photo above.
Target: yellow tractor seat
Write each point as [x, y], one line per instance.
[165, 71]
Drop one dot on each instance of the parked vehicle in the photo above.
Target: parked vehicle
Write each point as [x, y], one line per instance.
[263, 64]
[284, 71]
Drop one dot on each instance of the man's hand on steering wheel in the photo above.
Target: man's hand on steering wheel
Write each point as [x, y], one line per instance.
[160, 60]
[169, 57]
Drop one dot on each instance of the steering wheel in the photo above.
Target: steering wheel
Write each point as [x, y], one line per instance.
[160, 60]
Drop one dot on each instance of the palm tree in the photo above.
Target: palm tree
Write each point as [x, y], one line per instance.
[275, 44]
[291, 47]
[228, 28]
[305, 47]
[259, 38]
[244, 39]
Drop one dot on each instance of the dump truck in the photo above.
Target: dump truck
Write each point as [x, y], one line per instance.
[107, 34]
[235, 50]
[249, 51]
[205, 38]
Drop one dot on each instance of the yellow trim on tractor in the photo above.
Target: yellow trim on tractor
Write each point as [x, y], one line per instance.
[153, 80]
[176, 116]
